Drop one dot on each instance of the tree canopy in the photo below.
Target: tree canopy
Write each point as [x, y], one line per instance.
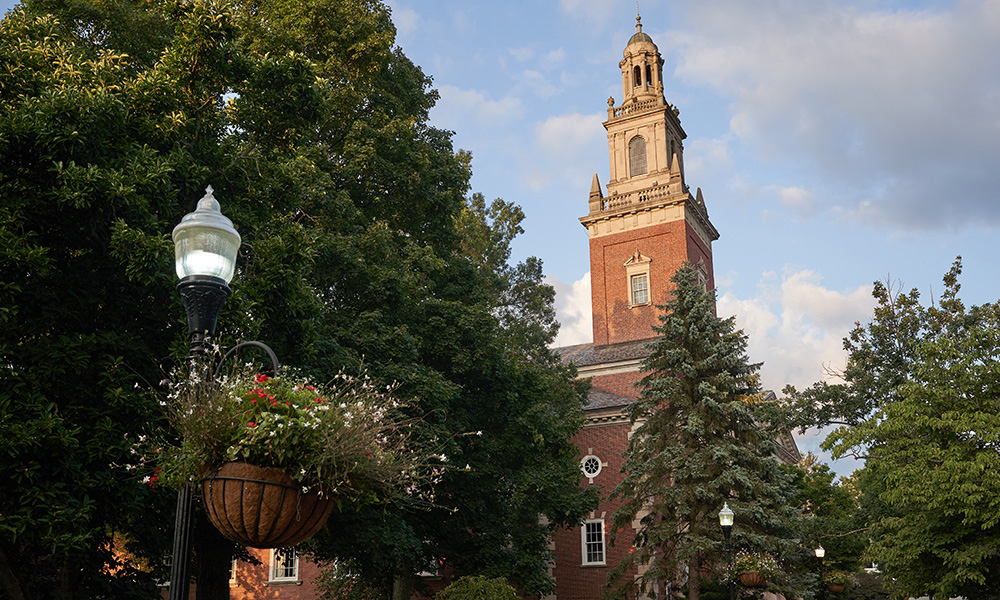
[362, 249]
[697, 444]
[920, 400]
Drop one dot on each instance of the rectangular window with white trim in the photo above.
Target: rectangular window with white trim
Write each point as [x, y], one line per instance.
[639, 287]
[593, 542]
[284, 564]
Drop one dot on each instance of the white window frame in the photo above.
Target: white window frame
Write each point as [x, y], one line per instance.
[274, 565]
[583, 469]
[638, 266]
[634, 290]
[593, 525]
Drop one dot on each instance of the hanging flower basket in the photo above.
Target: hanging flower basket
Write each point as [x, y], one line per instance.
[262, 507]
[752, 579]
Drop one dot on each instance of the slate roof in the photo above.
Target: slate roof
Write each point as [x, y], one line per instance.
[585, 355]
[598, 398]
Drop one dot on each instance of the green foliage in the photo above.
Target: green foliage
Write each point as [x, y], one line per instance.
[697, 445]
[478, 588]
[360, 249]
[921, 400]
[347, 438]
[829, 513]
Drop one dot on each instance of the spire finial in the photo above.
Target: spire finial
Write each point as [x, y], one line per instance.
[638, 19]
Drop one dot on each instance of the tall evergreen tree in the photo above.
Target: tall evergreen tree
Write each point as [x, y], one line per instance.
[696, 445]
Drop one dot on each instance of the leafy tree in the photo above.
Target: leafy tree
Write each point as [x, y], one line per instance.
[921, 401]
[478, 588]
[830, 511]
[360, 248]
[828, 516]
[697, 445]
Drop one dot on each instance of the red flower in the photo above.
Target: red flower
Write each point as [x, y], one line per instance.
[261, 378]
[251, 424]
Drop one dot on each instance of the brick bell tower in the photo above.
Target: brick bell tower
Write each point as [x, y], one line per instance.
[649, 223]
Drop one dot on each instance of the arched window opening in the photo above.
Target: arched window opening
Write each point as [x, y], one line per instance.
[637, 76]
[637, 156]
[649, 76]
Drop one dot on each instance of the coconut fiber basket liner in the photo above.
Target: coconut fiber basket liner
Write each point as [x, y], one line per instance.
[752, 579]
[262, 507]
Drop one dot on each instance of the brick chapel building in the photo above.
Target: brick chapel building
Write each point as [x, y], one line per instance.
[645, 227]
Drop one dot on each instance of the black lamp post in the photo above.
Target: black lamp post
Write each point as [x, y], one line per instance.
[205, 247]
[726, 518]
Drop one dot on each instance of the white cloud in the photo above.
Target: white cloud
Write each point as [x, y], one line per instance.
[796, 327]
[539, 84]
[893, 108]
[596, 12]
[521, 53]
[700, 153]
[573, 310]
[794, 198]
[562, 133]
[456, 106]
[562, 150]
[555, 57]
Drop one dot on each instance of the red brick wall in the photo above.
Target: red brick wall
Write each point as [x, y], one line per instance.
[252, 581]
[622, 384]
[573, 580]
[668, 245]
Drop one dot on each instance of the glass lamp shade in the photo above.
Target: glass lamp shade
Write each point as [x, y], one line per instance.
[726, 516]
[820, 552]
[205, 242]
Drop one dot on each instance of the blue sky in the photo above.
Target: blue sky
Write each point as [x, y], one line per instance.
[836, 143]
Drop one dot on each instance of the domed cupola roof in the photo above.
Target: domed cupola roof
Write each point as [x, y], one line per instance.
[639, 36]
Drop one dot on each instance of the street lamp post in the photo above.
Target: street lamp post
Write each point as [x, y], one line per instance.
[205, 247]
[726, 517]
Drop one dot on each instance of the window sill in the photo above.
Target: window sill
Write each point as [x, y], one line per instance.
[284, 582]
[591, 565]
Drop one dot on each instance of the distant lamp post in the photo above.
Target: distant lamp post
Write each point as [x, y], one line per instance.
[205, 247]
[820, 552]
[726, 517]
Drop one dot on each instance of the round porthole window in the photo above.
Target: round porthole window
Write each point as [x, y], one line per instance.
[590, 465]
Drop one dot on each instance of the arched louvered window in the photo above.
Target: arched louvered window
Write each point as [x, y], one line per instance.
[637, 76]
[637, 156]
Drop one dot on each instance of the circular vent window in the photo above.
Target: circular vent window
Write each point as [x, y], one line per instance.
[590, 465]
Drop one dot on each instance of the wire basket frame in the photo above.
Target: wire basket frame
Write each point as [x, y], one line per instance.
[262, 507]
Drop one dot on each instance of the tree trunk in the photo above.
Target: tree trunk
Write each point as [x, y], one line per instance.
[10, 583]
[694, 579]
[401, 587]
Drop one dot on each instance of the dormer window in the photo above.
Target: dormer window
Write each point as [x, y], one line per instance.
[637, 156]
